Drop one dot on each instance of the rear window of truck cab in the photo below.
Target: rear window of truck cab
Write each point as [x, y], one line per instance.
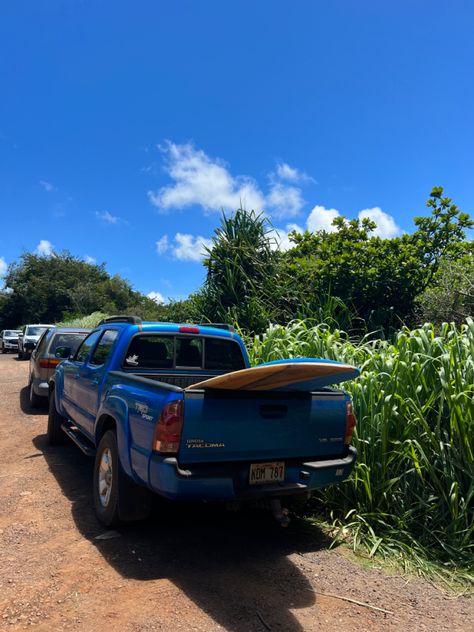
[151, 351]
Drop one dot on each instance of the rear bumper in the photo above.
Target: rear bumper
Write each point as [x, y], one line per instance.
[224, 482]
[40, 387]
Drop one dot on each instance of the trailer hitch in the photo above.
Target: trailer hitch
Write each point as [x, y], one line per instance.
[279, 513]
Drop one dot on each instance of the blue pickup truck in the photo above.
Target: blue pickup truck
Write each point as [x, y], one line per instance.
[177, 411]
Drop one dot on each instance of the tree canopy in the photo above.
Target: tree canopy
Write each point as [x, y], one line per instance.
[49, 289]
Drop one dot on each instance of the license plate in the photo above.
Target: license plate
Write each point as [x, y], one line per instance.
[267, 473]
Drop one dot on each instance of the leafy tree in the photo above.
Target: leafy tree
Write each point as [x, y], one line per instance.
[49, 289]
[378, 278]
[450, 297]
[242, 283]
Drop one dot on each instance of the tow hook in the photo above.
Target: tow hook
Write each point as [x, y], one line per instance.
[279, 513]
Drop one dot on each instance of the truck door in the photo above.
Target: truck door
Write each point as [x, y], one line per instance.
[89, 380]
[71, 373]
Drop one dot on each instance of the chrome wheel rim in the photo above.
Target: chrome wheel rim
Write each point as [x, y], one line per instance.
[105, 477]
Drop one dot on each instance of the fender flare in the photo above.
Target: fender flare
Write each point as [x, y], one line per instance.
[116, 408]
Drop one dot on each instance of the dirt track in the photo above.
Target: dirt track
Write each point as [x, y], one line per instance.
[191, 569]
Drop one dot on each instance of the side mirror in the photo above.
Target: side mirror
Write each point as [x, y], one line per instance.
[63, 353]
[21, 335]
[30, 346]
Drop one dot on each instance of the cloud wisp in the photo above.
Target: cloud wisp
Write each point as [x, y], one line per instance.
[183, 247]
[199, 180]
[107, 218]
[47, 186]
[44, 248]
[3, 267]
[292, 174]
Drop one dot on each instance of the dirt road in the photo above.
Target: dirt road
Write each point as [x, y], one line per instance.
[185, 569]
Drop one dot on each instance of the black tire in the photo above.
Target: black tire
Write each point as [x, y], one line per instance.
[36, 401]
[20, 355]
[54, 433]
[125, 501]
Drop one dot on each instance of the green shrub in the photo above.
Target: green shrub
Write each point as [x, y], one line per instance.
[413, 485]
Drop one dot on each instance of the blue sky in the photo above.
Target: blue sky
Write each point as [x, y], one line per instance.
[126, 127]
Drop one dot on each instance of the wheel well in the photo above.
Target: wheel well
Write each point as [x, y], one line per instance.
[106, 422]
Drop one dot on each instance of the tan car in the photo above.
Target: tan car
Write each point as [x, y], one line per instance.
[44, 360]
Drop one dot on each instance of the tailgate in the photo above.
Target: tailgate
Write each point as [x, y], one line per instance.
[222, 426]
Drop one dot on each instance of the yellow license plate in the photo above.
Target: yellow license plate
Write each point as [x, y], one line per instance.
[261, 473]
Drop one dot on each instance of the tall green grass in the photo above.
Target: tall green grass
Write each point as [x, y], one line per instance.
[91, 320]
[412, 490]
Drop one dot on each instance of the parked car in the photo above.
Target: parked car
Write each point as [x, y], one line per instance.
[9, 340]
[177, 410]
[29, 339]
[44, 361]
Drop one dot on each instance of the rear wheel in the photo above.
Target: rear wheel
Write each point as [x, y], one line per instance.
[35, 400]
[117, 498]
[54, 433]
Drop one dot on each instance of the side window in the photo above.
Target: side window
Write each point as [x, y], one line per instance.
[104, 347]
[84, 350]
[189, 352]
[223, 355]
[150, 352]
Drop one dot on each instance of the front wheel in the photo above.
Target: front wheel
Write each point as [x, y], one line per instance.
[117, 498]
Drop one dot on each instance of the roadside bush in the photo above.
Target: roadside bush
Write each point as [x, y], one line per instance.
[412, 489]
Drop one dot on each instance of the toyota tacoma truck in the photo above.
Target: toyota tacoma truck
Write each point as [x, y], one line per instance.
[176, 410]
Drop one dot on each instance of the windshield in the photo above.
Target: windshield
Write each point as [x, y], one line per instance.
[34, 331]
[71, 340]
[11, 333]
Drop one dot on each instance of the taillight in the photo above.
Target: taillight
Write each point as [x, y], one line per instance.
[49, 363]
[350, 423]
[168, 429]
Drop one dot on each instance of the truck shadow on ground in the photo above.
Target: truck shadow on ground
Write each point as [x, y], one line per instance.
[27, 408]
[234, 566]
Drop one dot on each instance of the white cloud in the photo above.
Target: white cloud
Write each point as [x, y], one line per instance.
[285, 201]
[285, 172]
[281, 239]
[386, 226]
[88, 259]
[183, 247]
[190, 248]
[321, 218]
[47, 186]
[107, 217]
[3, 267]
[156, 296]
[200, 180]
[207, 182]
[162, 245]
[44, 248]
